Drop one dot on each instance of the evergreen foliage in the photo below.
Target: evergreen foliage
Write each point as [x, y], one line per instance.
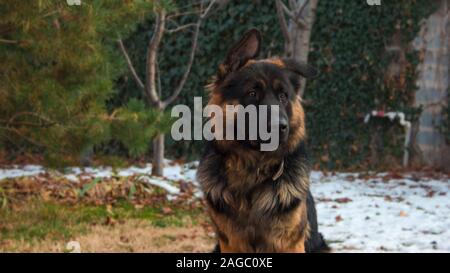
[58, 66]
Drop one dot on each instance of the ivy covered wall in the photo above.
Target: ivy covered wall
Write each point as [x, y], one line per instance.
[367, 63]
[363, 53]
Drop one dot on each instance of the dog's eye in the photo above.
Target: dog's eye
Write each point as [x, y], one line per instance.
[282, 96]
[252, 93]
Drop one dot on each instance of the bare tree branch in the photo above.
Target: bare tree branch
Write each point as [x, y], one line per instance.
[12, 120]
[293, 4]
[208, 9]
[182, 82]
[150, 86]
[158, 72]
[283, 23]
[180, 28]
[152, 52]
[130, 65]
[302, 8]
[301, 22]
[287, 11]
[5, 41]
[175, 15]
[23, 136]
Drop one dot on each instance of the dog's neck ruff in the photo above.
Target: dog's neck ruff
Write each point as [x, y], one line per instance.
[277, 174]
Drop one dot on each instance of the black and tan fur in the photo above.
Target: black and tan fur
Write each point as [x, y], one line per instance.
[251, 210]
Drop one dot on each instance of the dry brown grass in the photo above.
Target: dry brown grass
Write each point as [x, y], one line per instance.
[130, 236]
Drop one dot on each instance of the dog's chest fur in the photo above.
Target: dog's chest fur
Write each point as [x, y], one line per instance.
[251, 211]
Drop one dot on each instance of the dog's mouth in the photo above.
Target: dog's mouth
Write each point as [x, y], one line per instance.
[256, 144]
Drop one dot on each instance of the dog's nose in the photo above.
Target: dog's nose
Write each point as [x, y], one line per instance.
[284, 129]
[283, 126]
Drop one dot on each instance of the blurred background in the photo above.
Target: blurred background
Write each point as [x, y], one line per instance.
[87, 88]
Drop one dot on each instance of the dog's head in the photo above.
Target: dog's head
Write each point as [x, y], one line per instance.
[244, 80]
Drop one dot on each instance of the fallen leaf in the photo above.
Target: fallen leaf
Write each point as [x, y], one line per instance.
[167, 210]
[110, 221]
[343, 200]
[109, 209]
[430, 194]
[350, 178]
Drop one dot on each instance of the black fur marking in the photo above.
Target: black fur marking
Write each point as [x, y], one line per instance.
[315, 242]
[216, 249]
[220, 206]
[222, 236]
[286, 208]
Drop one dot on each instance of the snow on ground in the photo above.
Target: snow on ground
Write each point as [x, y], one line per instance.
[172, 173]
[399, 214]
[16, 171]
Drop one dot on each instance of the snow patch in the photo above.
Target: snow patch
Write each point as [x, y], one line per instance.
[164, 184]
[19, 171]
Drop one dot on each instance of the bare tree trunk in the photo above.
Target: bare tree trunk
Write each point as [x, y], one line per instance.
[158, 155]
[297, 33]
[150, 88]
[301, 46]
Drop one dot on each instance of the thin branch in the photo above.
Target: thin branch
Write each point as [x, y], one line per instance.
[180, 85]
[130, 64]
[36, 115]
[293, 4]
[182, 82]
[5, 41]
[158, 72]
[17, 132]
[205, 14]
[51, 13]
[302, 8]
[190, 5]
[287, 11]
[25, 123]
[283, 23]
[180, 28]
[175, 15]
[152, 52]
[301, 22]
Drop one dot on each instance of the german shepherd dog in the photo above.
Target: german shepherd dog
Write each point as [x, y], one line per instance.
[260, 201]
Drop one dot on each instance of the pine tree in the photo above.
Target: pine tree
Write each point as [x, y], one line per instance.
[58, 63]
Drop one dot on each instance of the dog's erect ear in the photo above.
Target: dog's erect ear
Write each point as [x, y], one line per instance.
[246, 49]
[300, 68]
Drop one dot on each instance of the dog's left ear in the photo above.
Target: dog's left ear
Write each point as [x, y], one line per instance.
[246, 49]
[300, 68]
[297, 69]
